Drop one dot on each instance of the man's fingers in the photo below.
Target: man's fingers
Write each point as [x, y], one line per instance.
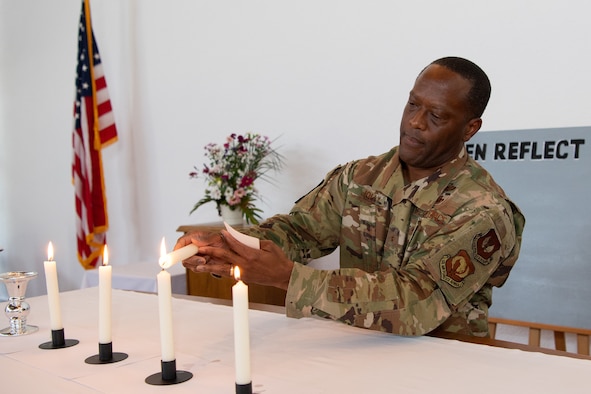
[219, 254]
[216, 269]
[199, 239]
[195, 260]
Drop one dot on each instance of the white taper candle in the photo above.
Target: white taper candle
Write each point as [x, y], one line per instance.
[165, 309]
[105, 300]
[241, 330]
[175, 256]
[53, 297]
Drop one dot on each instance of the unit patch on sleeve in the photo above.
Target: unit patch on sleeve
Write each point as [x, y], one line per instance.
[454, 269]
[485, 245]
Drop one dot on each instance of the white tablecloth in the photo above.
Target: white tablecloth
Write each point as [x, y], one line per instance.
[288, 356]
[139, 277]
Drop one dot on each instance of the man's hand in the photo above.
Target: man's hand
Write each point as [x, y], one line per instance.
[219, 253]
[199, 239]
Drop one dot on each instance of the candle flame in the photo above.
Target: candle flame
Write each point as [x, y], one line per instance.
[50, 251]
[162, 259]
[236, 272]
[105, 256]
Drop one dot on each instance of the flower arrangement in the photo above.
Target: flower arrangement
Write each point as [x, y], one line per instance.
[232, 169]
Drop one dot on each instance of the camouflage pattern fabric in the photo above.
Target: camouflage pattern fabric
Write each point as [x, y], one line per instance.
[413, 258]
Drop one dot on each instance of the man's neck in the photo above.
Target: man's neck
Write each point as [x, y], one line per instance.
[412, 174]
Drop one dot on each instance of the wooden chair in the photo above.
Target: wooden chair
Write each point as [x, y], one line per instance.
[535, 333]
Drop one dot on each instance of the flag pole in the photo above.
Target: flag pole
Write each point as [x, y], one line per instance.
[88, 28]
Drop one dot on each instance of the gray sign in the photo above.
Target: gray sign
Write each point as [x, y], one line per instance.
[547, 173]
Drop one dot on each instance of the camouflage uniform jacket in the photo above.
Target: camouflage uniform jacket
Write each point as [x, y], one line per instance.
[413, 258]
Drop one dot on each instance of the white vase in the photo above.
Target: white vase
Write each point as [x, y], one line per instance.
[232, 217]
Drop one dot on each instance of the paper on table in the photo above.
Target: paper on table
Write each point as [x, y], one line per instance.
[247, 240]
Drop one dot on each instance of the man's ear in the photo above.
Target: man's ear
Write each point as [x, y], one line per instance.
[472, 128]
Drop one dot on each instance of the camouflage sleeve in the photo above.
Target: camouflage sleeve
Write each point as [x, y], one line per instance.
[384, 301]
[312, 228]
[440, 277]
[463, 262]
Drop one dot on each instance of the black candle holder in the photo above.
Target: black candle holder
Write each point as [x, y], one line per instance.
[168, 375]
[244, 388]
[58, 341]
[106, 355]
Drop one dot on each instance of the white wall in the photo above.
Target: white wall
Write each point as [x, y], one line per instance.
[327, 78]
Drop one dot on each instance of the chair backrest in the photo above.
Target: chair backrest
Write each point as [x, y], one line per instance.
[535, 333]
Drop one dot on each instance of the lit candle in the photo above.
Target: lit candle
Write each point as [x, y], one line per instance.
[105, 299]
[53, 291]
[165, 308]
[241, 330]
[168, 260]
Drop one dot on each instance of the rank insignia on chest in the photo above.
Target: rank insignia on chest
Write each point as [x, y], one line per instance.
[454, 269]
[485, 245]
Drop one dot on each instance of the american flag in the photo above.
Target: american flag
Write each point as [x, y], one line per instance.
[94, 128]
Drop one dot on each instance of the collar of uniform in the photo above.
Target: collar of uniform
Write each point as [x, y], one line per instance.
[423, 192]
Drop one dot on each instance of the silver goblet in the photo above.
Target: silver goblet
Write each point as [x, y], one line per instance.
[17, 309]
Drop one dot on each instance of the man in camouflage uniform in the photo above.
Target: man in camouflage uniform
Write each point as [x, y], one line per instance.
[424, 231]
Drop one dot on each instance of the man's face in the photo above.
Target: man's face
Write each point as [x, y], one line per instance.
[436, 121]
